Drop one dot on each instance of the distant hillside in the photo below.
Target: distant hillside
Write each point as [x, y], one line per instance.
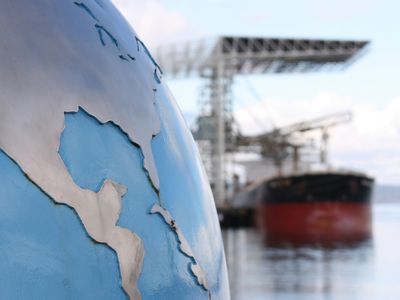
[386, 193]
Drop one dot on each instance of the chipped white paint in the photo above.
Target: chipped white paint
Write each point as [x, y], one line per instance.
[123, 241]
[183, 244]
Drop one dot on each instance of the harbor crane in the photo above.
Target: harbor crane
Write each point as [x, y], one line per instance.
[218, 61]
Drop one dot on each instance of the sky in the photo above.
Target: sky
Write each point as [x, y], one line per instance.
[369, 88]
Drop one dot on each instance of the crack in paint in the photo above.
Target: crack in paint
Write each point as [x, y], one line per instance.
[123, 58]
[87, 9]
[131, 57]
[157, 77]
[138, 41]
[100, 30]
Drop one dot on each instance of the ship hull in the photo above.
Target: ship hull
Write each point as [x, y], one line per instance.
[311, 223]
[323, 208]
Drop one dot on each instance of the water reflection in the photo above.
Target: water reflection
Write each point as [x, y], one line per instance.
[267, 271]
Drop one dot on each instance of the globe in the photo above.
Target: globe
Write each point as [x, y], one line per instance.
[102, 192]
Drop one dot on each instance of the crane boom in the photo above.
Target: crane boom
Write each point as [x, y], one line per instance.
[323, 122]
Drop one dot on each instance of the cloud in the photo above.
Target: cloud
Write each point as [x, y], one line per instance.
[371, 142]
[155, 23]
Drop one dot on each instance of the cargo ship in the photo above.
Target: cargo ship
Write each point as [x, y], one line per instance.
[304, 205]
[327, 207]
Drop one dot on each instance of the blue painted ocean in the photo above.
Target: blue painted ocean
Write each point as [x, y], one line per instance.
[370, 270]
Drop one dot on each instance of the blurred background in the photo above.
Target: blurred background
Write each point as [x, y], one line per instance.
[295, 107]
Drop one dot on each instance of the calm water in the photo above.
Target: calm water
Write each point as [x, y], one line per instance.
[367, 271]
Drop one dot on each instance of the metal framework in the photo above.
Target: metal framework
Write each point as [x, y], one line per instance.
[290, 140]
[246, 55]
[220, 60]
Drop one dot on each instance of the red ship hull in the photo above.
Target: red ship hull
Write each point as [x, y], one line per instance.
[310, 223]
[326, 208]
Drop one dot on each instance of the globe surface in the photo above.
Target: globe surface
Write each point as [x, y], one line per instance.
[102, 193]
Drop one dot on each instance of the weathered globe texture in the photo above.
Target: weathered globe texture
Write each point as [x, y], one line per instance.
[102, 193]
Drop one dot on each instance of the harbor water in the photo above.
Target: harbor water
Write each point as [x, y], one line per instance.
[369, 270]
